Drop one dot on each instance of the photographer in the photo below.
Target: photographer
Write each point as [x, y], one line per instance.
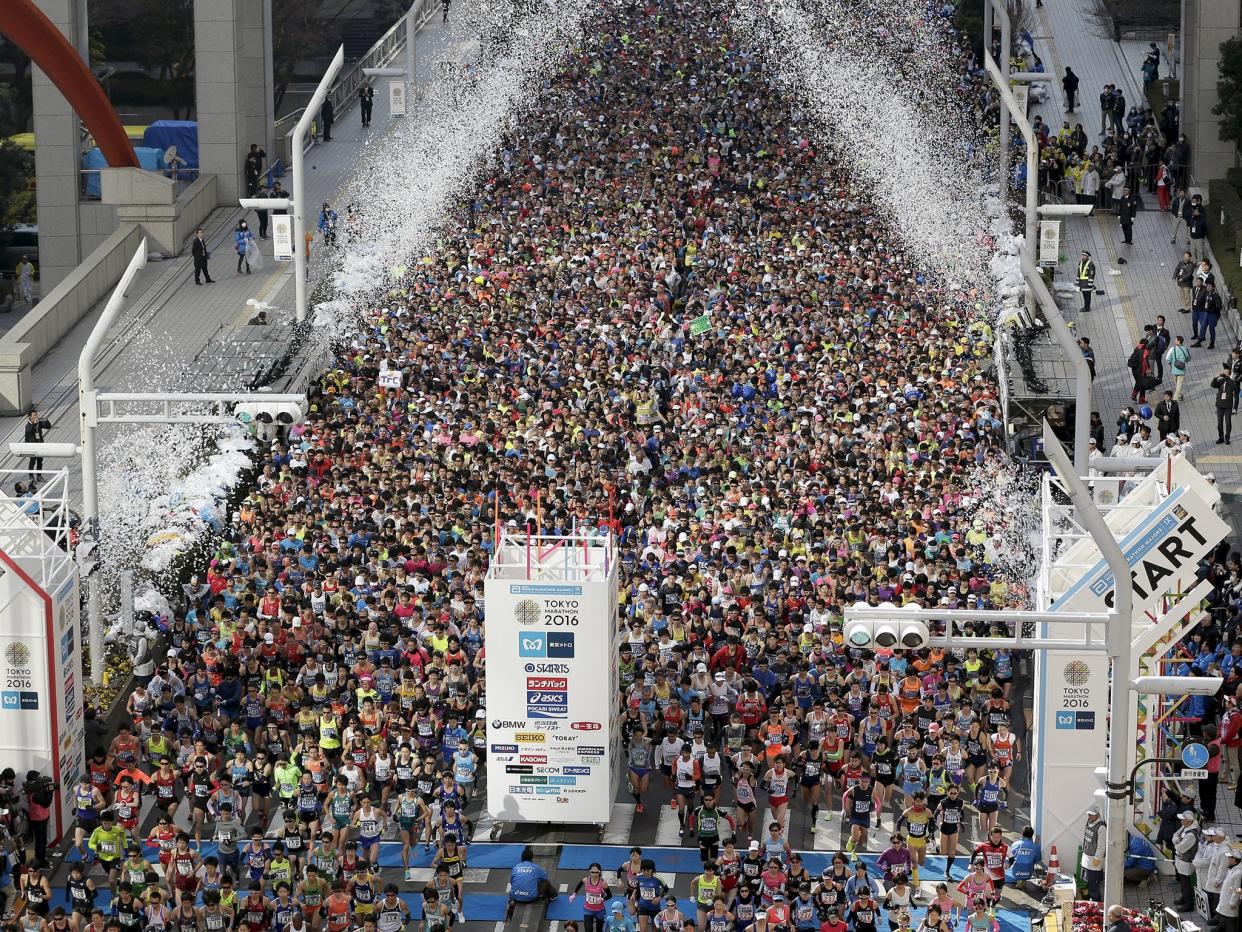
[39, 792]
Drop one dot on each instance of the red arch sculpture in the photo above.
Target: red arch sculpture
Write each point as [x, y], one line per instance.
[36, 35]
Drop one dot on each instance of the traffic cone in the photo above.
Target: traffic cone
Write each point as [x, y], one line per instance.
[1054, 862]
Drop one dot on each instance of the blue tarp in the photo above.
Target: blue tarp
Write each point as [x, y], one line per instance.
[180, 133]
[93, 160]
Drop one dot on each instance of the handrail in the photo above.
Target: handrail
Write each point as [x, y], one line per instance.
[343, 93]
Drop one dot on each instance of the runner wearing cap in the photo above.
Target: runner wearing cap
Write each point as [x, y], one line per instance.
[617, 920]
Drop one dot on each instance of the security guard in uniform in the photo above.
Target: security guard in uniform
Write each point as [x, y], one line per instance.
[1086, 279]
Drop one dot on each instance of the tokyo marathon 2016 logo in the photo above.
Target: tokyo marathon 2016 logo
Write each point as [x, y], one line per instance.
[527, 612]
[1076, 673]
[17, 654]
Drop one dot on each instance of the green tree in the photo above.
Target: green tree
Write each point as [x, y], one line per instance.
[300, 32]
[17, 204]
[1229, 91]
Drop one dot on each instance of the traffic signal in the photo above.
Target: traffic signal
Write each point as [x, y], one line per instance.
[889, 631]
[268, 417]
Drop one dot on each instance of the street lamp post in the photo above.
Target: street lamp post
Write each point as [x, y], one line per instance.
[90, 475]
[299, 181]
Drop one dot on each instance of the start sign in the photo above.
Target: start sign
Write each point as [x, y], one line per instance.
[1162, 551]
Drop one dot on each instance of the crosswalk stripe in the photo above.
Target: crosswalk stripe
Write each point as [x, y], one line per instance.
[825, 831]
[469, 875]
[769, 818]
[667, 832]
[618, 830]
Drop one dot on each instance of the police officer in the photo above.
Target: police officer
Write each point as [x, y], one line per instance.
[1086, 279]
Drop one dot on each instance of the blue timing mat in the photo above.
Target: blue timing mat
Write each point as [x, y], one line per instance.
[686, 860]
[1010, 920]
[483, 855]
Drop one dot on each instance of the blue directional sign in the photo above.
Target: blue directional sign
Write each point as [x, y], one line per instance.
[1194, 755]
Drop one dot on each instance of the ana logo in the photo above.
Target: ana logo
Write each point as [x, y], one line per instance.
[586, 726]
[527, 612]
[1076, 673]
[17, 654]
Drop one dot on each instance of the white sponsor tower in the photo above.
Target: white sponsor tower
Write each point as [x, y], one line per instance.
[553, 738]
[1165, 524]
[41, 710]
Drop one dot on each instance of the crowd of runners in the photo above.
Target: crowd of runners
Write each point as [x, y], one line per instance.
[826, 439]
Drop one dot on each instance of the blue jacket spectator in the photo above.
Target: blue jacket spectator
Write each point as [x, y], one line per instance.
[1140, 862]
[528, 882]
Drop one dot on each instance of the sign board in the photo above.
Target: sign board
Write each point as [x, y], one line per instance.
[1203, 905]
[552, 753]
[700, 325]
[389, 378]
[396, 97]
[42, 722]
[1194, 755]
[1022, 94]
[282, 237]
[1196, 774]
[1163, 539]
[1049, 243]
[1162, 548]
